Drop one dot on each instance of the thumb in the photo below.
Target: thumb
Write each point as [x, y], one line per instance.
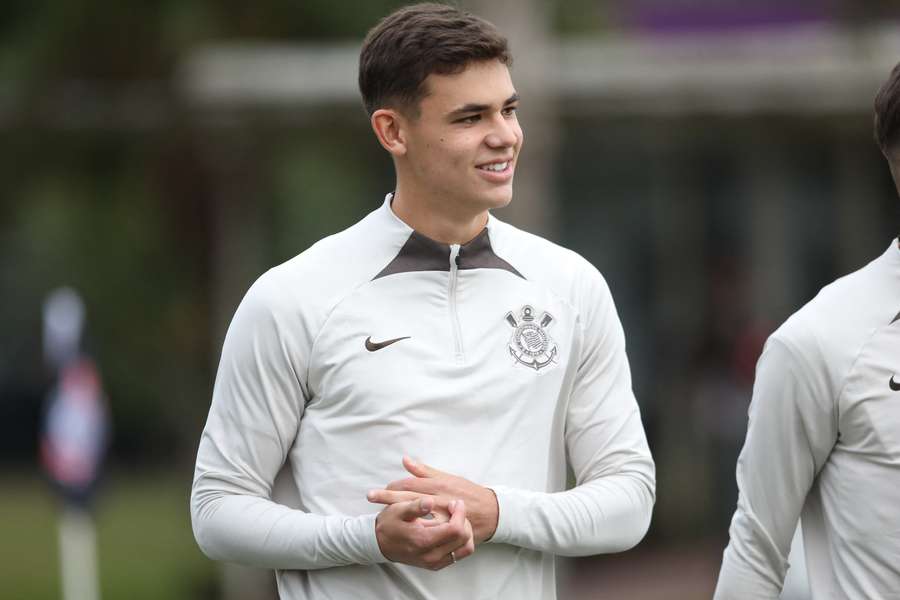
[419, 469]
[413, 509]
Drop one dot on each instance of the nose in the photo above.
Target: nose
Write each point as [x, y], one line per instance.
[504, 133]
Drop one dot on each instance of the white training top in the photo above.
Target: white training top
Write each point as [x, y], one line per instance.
[512, 367]
[824, 443]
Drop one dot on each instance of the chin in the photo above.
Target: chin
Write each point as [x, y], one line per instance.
[487, 199]
[502, 203]
[498, 200]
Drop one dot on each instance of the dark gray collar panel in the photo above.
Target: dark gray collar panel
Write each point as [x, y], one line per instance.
[478, 254]
[897, 318]
[421, 253]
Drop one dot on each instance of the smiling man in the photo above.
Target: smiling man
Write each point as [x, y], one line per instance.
[432, 330]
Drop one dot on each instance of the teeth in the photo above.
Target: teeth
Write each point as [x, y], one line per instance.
[496, 166]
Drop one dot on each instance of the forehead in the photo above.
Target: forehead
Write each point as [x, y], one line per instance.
[484, 82]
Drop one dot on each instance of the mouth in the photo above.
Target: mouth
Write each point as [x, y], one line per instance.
[496, 166]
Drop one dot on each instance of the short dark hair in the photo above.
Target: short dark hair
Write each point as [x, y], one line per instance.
[887, 113]
[408, 45]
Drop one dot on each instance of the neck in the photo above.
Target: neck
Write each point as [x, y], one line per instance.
[437, 220]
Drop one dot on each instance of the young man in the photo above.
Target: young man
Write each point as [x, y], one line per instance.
[430, 330]
[824, 436]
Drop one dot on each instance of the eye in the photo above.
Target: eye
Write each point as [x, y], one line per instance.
[510, 111]
[470, 120]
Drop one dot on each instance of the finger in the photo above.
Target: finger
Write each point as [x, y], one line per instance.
[454, 533]
[413, 509]
[440, 557]
[462, 545]
[435, 562]
[467, 550]
[420, 469]
[415, 484]
[439, 513]
[456, 530]
[458, 520]
[457, 510]
[460, 551]
[458, 545]
[391, 496]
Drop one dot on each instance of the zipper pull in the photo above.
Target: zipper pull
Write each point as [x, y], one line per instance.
[454, 255]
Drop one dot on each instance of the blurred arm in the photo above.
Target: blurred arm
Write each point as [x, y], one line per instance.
[255, 414]
[792, 429]
[609, 509]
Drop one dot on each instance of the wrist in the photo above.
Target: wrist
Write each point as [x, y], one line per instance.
[488, 525]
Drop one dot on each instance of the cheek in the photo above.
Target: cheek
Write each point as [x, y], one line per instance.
[455, 151]
[446, 153]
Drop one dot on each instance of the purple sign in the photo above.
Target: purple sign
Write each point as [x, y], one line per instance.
[714, 15]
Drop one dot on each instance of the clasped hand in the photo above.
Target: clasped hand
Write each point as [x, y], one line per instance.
[433, 519]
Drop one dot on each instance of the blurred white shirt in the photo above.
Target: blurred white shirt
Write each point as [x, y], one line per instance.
[824, 441]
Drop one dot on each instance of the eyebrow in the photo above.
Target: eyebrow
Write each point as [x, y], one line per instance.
[476, 108]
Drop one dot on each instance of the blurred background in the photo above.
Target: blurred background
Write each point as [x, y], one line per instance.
[713, 158]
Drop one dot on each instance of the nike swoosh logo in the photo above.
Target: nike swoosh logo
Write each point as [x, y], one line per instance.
[894, 385]
[373, 346]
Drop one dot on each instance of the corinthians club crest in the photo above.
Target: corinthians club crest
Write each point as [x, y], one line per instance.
[530, 343]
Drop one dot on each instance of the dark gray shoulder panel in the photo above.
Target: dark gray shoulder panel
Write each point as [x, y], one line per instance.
[419, 253]
[479, 254]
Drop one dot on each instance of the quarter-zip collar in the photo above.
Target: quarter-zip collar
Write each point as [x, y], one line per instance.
[421, 253]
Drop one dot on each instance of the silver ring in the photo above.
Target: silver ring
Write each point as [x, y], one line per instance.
[453, 558]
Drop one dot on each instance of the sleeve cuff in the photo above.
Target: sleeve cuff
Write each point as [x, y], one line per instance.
[369, 541]
[511, 504]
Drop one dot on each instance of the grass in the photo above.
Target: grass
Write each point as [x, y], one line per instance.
[144, 542]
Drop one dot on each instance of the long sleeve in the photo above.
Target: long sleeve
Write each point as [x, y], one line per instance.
[257, 404]
[610, 506]
[792, 430]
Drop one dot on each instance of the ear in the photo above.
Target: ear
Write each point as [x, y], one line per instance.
[389, 126]
[894, 166]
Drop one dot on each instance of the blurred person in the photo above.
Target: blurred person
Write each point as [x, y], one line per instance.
[73, 440]
[429, 329]
[824, 435]
[75, 430]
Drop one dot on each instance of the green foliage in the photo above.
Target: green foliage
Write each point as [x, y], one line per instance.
[316, 191]
[583, 17]
[99, 39]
